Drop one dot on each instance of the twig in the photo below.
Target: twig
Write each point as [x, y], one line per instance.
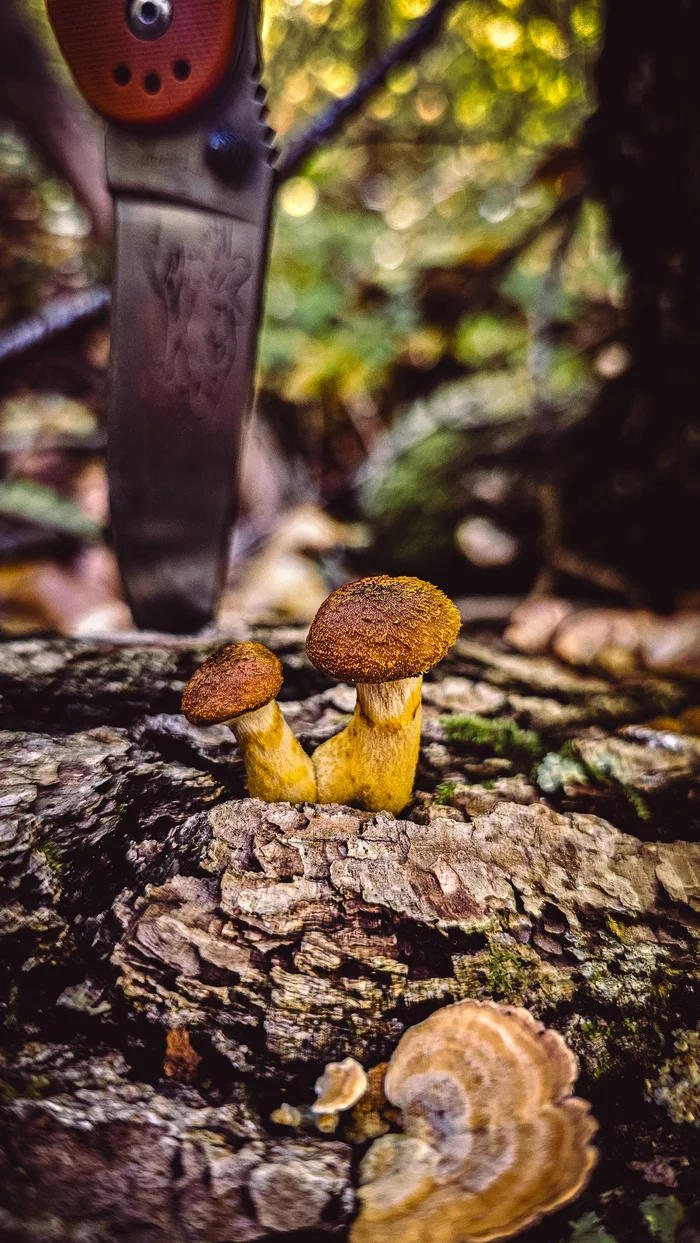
[419, 37]
[541, 354]
[558, 559]
[56, 315]
[563, 211]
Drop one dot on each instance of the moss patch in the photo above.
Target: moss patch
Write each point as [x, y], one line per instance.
[589, 1229]
[54, 856]
[501, 737]
[444, 792]
[663, 1215]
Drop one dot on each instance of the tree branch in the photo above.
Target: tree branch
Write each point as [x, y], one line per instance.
[326, 126]
[56, 315]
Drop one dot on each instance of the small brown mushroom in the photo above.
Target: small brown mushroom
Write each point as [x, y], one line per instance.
[383, 634]
[340, 1087]
[493, 1137]
[237, 687]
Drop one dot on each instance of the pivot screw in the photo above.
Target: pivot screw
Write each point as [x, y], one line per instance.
[228, 155]
[149, 19]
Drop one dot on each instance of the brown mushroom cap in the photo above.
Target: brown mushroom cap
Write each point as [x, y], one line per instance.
[493, 1137]
[238, 679]
[381, 629]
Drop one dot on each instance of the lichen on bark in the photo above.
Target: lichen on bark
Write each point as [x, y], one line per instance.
[144, 896]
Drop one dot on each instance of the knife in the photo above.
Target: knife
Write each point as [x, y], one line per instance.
[189, 164]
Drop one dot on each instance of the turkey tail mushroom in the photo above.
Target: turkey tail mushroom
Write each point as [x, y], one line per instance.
[493, 1137]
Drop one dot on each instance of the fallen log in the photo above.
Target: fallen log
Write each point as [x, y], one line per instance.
[180, 961]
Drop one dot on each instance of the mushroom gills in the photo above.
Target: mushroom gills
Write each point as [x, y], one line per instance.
[372, 762]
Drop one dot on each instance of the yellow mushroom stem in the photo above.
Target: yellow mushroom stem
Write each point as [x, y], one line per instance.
[372, 762]
[277, 767]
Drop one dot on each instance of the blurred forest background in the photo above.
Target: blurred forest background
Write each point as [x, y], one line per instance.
[478, 356]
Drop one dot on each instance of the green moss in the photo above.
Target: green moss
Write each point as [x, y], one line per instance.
[636, 800]
[54, 857]
[444, 792]
[515, 975]
[38, 1086]
[619, 930]
[507, 973]
[8, 1094]
[566, 767]
[589, 1229]
[501, 737]
[557, 771]
[663, 1215]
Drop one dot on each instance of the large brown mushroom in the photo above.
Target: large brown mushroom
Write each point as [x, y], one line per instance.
[383, 634]
[493, 1137]
[237, 687]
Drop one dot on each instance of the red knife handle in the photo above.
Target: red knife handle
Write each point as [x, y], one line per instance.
[147, 62]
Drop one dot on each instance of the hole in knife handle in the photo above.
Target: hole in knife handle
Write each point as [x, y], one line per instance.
[159, 60]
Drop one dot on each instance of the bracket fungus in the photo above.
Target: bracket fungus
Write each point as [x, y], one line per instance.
[383, 634]
[493, 1138]
[237, 687]
[341, 1086]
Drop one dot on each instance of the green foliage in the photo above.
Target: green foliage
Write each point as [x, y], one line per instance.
[588, 1229]
[35, 502]
[435, 172]
[500, 737]
[488, 338]
[434, 176]
[663, 1215]
[418, 501]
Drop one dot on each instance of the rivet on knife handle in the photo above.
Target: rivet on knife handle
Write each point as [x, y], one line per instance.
[189, 162]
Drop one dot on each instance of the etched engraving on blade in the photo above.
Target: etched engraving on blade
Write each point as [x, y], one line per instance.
[184, 325]
[196, 285]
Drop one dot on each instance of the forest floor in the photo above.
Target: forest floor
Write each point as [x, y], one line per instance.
[550, 858]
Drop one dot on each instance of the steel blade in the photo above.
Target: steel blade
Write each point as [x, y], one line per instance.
[184, 324]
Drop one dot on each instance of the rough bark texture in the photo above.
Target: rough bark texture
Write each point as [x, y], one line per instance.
[144, 896]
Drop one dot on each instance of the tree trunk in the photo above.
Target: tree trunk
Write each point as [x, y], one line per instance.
[632, 481]
[144, 896]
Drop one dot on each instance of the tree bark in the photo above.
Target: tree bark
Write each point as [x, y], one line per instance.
[632, 474]
[145, 895]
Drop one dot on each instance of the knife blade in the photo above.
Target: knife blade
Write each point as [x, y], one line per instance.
[190, 168]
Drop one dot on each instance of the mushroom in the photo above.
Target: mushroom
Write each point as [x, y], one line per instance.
[493, 1137]
[340, 1087]
[237, 687]
[383, 634]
